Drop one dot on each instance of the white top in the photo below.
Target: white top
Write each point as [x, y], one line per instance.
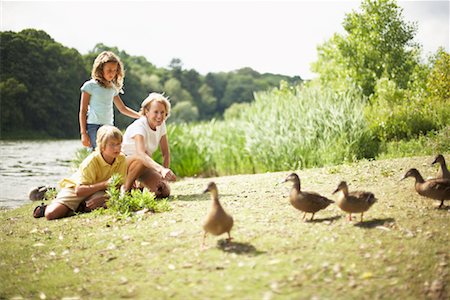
[151, 137]
[100, 110]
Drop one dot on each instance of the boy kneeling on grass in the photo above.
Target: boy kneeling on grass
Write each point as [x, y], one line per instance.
[85, 190]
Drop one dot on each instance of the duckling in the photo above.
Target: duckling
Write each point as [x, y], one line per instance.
[217, 221]
[354, 202]
[307, 202]
[435, 188]
[38, 193]
[443, 171]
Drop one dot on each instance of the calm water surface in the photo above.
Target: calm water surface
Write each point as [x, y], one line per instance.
[27, 164]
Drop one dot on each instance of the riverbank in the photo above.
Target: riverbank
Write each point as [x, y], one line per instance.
[400, 249]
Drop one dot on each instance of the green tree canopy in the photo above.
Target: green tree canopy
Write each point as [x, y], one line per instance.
[40, 82]
[378, 43]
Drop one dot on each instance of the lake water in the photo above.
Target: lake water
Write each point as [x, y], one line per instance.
[27, 164]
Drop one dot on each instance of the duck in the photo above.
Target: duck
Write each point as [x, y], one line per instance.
[434, 188]
[218, 221]
[38, 193]
[443, 171]
[353, 202]
[307, 202]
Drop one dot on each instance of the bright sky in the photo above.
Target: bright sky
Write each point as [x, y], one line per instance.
[212, 36]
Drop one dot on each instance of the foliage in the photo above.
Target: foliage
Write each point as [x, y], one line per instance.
[235, 111]
[438, 82]
[124, 205]
[394, 116]
[378, 43]
[377, 54]
[39, 82]
[395, 113]
[50, 194]
[208, 149]
[80, 155]
[184, 111]
[430, 144]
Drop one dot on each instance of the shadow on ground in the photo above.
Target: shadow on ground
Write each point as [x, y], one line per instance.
[321, 220]
[195, 197]
[374, 223]
[237, 247]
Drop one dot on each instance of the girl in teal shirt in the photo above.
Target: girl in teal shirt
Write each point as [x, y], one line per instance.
[98, 96]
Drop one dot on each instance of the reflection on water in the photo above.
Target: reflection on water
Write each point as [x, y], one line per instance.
[27, 164]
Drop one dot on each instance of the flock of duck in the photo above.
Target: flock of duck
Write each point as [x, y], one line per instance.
[218, 221]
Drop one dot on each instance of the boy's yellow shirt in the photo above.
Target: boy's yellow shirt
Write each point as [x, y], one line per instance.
[95, 169]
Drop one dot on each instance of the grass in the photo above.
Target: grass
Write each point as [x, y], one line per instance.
[400, 249]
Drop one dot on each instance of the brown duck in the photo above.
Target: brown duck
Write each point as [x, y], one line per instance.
[354, 202]
[217, 221]
[38, 193]
[435, 188]
[307, 202]
[443, 171]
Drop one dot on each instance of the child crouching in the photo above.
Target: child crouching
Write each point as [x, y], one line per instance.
[88, 185]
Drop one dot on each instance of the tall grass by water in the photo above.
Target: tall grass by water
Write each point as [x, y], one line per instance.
[286, 128]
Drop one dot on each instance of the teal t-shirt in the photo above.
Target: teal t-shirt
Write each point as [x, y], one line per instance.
[100, 110]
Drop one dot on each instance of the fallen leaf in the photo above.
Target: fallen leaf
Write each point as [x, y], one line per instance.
[366, 275]
[123, 280]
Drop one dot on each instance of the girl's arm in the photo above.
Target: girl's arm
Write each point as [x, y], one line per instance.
[149, 162]
[125, 110]
[164, 146]
[83, 190]
[84, 103]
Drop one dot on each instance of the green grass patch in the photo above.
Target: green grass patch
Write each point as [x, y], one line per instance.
[401, 249]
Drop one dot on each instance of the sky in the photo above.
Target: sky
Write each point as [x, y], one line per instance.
[278, 37]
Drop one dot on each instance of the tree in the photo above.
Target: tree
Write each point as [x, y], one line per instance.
[438, 83]
[176, 93]
[40, 78]
[208, 103]
[12, 91]
[184, 111]
[239, 89]
[378, 43]
[218, 83]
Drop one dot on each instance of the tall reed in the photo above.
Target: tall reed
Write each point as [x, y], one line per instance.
[284, 129]
[298, 127]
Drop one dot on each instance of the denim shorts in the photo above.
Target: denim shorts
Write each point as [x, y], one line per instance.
[92, 133]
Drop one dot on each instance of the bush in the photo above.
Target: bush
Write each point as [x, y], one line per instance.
[123, 206]
[430, 144]
[397, 114]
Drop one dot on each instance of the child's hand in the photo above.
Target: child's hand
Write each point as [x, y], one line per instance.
[95, 203]
[85, 140]
[167, 174]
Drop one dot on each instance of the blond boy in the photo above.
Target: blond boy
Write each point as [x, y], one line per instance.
[89, 183]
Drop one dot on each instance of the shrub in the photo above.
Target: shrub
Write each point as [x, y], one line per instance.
[124, 205]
